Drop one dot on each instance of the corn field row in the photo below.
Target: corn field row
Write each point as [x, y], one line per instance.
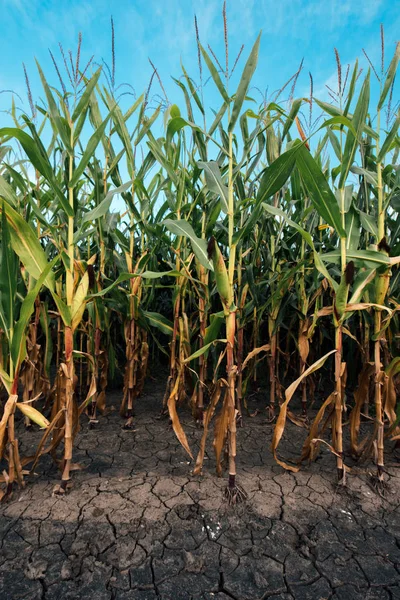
[260, 239]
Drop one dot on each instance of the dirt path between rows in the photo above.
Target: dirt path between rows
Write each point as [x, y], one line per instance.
[138, 525]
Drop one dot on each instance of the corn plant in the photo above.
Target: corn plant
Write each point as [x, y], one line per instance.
[272, 235]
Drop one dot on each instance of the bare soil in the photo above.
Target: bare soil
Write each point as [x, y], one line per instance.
[138, 525]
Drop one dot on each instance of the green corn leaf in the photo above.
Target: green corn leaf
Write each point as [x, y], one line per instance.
[48, 346]
[147, 125]
[296, 105]
[368, 223]
[318, 188]
[159, 155]
[352, 88]
[276, 175]
[335, 144]
[130, 111]
[215, 75]
[193, 90]
[89, 152]
[339, 120]
[18, 345]
[370, 176]
[335, 111]
[307, 237]
[105, 204]
[369, 257]
[79, 125]
[176, 124]
[145, 275]
[353, 140]
[362, 280]
[390, 76]
[8, 277]
[203, 350]
[348, 198]
[180, 227]
[352, 226]
[212, 331]
[85, 98]
[39, 161]
[386, 146]
[55, 116]
[27, 246]
[218, 117]
[63, 309]
[6, 380]
[159, 321]
[7, 192]
[244, 84]
[123, 133]
[214, 182]
[273, 179]
[280, 213]
[340, 301]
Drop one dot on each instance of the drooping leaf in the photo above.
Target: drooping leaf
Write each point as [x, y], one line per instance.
[159, 321]
[214, 182]
[105, 204]
[27, 246]
[281, 421]
[18, 345]
[39, 161]
[181, 227]
[33, 414]
[203, 350]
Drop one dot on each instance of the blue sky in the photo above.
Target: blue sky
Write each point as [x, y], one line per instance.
[163, 30]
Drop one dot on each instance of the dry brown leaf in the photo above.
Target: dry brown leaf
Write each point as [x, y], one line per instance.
[176, 424]
[281, 420]
[355, 415]
[207, 418]
[254, 353]
[307, 451]
[8, 410]
[296, 420]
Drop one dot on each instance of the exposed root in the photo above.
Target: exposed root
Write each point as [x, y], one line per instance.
[341, 478]
[129, 425]
[58, 490]
[235, 494]
[378, 484]
[62, 488]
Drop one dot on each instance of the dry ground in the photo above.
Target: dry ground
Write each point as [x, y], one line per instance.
[138, 525]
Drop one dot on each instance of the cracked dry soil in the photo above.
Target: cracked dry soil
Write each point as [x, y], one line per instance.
[138, 525]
